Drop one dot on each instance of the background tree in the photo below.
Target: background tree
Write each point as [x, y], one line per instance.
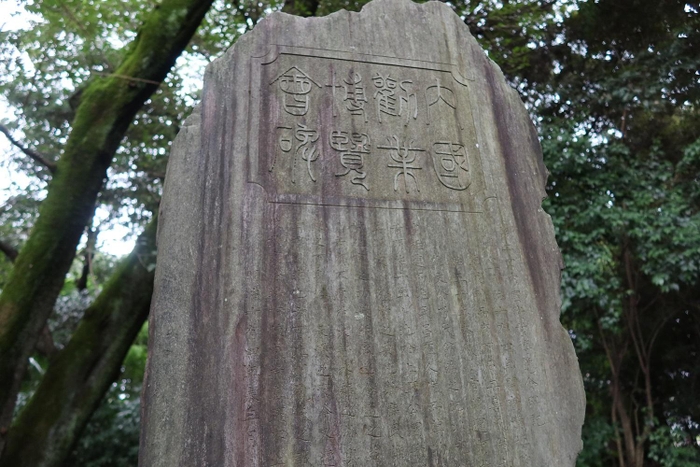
[625, 185]
[104, 108]
[613, 87]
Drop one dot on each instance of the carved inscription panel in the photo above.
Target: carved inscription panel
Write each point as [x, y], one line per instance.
[339, 128]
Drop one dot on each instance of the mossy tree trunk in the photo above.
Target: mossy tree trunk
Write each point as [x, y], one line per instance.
[78, 377]
[107, 107]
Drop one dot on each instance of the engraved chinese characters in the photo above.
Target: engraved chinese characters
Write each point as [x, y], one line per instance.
[354, 98]
[403, 157]
[353, 149]
[305, 148]
[391, 103]
[295, 86]
[450, 162]
[372, 131]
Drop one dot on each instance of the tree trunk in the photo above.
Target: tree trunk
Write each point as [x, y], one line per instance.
[78, 378]
[106, 109]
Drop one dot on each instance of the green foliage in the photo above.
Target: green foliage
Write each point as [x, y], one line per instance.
[597, 432]
[671, 447]
[135, 364]
[327, 7]
[44, 70]
[17, 216]
[610, 208]
[111, 438]
[620, 139]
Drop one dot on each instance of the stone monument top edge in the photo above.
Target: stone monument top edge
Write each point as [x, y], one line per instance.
[281, 28]
[355, 268]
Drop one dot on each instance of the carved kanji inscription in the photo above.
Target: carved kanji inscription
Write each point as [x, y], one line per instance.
[395, 132]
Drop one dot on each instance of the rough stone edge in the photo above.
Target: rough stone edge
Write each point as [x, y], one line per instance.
[432, 7]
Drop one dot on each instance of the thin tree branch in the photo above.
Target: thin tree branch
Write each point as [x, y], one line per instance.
[88, 255]
[658, 330]
[35, 156]
[156, 175]
[129, 78]
[10, 251]
[618, 408]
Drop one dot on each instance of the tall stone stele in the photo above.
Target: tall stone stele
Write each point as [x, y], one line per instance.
[354, 268]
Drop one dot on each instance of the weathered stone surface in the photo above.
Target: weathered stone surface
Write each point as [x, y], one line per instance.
[354, 268]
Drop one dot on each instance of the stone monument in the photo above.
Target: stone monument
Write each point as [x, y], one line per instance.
[354, 268]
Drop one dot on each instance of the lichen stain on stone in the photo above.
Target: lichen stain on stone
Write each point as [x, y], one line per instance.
[379, 326]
